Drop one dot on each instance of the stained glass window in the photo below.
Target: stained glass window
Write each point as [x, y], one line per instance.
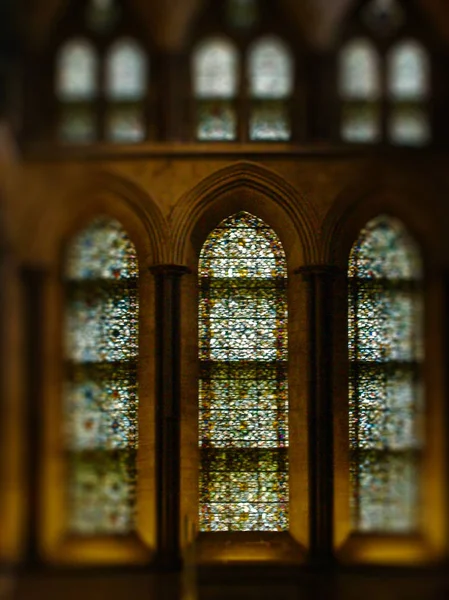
[100, 390]
[359, 71]
[243, 400]
[385, 394]
[360, 122]
[76, 71]
[215, 75]
[409, 126]
[77, 124]
[359, 82]
[270, 69]
[271, 83]
[215, 69]
[408, 71]
[126, 71]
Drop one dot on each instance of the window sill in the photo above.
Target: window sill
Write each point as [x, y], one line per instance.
[47, 151]
[248, 548]
[99, 551]
[387, 550]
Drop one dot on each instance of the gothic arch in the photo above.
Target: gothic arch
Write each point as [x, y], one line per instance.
[104, 192]
[244, 186]
[356, 205]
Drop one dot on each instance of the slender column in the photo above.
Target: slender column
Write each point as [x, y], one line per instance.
[320, 309]
[168, 346]
[33, 282]
[173, 104]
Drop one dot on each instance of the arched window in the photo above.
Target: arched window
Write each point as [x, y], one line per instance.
[385, 401]
[126, 83]
[384, 77]
[271, 77]
[360, 90]
[244, 80]
[100, 392]
[243, 382]
[101, 80]
[215, 79]
[76, 89]
[408, 87]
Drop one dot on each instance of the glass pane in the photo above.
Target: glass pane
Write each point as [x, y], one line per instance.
[126, 71]
[360, 123]
[359, 71]
[102, 15]
[386, 404]
[125, 124]
[100, 391]
[77, 125]
[386, 322]
[216, 121]
[409, 126]
[270, 121]
[372, 256]
[102, 250]
[270, 69]
[242, 14]
[243, 429]
[408, 71]
[387, 487]
[102, 493]
[215, 69]
[76, 71]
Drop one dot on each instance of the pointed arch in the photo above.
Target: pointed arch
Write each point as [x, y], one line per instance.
[245, 186]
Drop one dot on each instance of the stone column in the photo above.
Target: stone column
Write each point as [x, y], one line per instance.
[168, 346]
[320, 280]
[33, 285]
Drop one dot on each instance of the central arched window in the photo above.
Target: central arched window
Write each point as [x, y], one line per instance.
[243, 382]
[243, 75]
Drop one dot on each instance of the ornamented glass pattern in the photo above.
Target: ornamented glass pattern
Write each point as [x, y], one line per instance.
[243, 382]
[216, 120]
[77, 124]
[76, 71]
[101, 390]
[360, 122]
[385, 392]
[270, 69]
[408, 71]
[359, 71]
[125, 124]
[215, 69]
[126, 71]
[270, 121]
[409, 126]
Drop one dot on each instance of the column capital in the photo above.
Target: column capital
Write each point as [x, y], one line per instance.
[170, 270]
